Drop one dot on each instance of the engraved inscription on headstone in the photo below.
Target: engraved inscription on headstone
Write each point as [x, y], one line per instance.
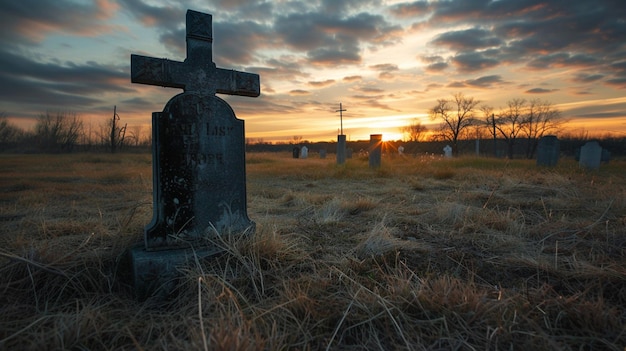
[200, 175]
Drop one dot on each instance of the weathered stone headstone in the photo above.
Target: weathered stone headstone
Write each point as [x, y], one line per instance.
[606, 156]
[198, 156]
[375, 150]
[447, 151]
[341, 149]
[590, 155]
[322, 153]
[295, 152]
[400, 150]
[548, 151]
[304, 152]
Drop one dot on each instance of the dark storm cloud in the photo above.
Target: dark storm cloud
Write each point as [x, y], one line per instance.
[47, 84]
[473, 61]
[372, 102]
[437, 67]
[485, 82]
[587, 78]
[321, 84]
[352, 78]
[234, 42]
[411, 10]
[369, 90]
[385, 67]
[563, 59]
[481, 82]
[299, 92]
[543, 34]
[330, 39]
[165, 17]
[280, 69]
[29, 21]
[469, 39]
[540, 91]
[237, 43]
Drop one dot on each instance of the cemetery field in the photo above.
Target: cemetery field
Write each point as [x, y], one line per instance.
[421, 254]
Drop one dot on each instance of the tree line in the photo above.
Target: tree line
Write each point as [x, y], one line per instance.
[463, 117]
[62, 132]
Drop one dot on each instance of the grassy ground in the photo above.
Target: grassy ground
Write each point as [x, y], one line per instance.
[463, 254]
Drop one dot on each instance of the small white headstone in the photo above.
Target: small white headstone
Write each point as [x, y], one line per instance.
[590, 155]
[447, 151]
[304, 152]
[400, 149]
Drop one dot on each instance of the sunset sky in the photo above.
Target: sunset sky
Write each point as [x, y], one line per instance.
[387, 61]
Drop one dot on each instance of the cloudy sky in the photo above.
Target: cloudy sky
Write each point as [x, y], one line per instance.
[387, 61]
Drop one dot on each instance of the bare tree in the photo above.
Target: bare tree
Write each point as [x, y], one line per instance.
[415, 130]
[489, 119]
[9, 133]
[541, 118]
[134, 134]
[510, 122]
[456, 114]
[59, 132]
[117, 134]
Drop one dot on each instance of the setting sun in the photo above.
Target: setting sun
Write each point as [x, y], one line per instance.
[390, 136]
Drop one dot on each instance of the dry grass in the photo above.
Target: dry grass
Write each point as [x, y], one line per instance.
[423, 254]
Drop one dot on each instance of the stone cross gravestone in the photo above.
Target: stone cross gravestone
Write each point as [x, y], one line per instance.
[590, 155]
[198, 151]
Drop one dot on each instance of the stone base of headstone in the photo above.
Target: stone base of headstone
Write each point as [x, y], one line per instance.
[341, 149]
[375, 150]
[156, 274]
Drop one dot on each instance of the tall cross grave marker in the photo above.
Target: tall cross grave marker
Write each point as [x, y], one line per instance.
[198, 152]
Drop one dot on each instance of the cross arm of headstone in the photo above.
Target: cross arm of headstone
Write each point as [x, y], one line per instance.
[237, 83]
[154, 71]
[172, 74]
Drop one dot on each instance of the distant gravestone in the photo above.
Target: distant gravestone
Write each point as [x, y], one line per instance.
[400, 150]
[606, 156]
[349, 152]
[198, 156]
[447, 151]
[341, 149]
[304, 152]
[375, 150]
[590, 155]
[295, 152]
[548, 151]
[322, 153]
